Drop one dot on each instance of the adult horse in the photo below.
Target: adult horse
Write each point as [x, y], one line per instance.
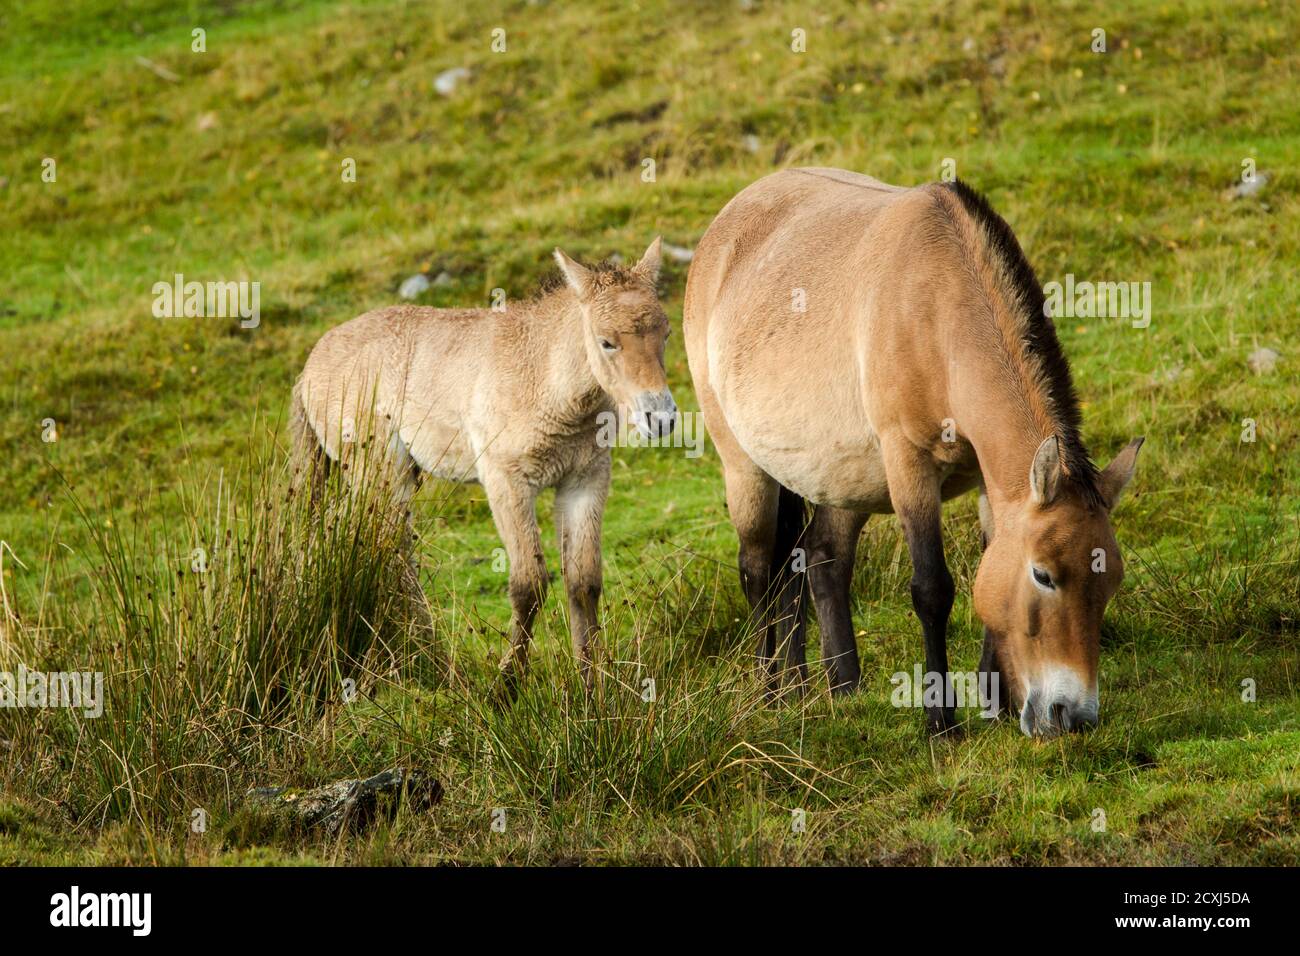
[873, 349]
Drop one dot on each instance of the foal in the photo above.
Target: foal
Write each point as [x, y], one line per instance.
[510, 399]
[873, 349]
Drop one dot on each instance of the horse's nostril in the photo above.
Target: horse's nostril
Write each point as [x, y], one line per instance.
[1059, 716]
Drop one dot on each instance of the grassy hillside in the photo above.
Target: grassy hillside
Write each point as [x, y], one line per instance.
[226, 164]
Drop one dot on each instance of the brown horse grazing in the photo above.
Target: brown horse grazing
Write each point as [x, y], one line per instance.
[515, 400]
[872, 349]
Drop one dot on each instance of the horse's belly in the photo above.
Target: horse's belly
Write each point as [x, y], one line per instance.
[442, 451]
[832, 466]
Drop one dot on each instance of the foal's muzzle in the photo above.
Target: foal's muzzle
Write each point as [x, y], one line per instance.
[655, 414]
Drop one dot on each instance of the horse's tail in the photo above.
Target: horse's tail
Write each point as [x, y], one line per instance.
[789, 582]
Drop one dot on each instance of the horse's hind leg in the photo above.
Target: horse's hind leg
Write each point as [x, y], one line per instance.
[832, 550]
[789, 587]
[579, 507]
[514, 510]
[769, 520]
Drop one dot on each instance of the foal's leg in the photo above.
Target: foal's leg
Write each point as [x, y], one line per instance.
[832, 550]
[914, 490]
[515, 514]
[579, 506]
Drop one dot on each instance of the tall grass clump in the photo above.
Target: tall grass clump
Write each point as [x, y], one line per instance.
[678, 717]
[226, 642]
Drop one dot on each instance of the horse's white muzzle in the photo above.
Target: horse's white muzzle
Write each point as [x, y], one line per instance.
[1058, 703]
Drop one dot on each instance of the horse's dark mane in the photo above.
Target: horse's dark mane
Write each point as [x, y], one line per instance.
[1038, 333]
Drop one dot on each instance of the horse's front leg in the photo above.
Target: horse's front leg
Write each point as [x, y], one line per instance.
[914, 490]
[992, 699]
[579, 508]
[514, 512]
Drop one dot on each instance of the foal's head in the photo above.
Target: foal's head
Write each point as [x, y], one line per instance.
[625, 330]
[1044, 580]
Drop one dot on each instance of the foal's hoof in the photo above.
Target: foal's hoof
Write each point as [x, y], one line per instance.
[505, 690]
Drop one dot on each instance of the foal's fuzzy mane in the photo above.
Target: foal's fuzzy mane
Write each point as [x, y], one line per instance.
[607, 273]
[1047, 364]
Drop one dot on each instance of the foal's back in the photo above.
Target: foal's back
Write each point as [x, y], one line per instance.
[405, 370]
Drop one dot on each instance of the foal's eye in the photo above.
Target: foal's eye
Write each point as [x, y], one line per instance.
[1042, 578]
[608, 346]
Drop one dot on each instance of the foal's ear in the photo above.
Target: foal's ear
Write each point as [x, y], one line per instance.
[575, 273]
[648, 267]
[1119, 472]
[1045, 472]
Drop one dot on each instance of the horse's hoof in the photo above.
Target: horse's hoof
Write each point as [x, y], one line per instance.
[943, 723]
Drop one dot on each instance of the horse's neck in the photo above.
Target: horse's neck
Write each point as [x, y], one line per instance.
[568, 388]
[996, 417]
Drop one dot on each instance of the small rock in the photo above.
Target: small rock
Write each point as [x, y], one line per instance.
[1246, 189]
[354, 803]
[448, 80]
[206, 122]
[968, 44]
[678, 253]
[616, 258]
[751, 143]
[443, 279]
[414, 286]
[1262, 361]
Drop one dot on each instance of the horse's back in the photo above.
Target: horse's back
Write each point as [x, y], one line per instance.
[781, 323]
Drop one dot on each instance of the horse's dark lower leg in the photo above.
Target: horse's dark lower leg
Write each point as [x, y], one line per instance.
[832, 549]
[914, 490]
[932, 596]
[993, 696]
[755, 562]
[789, 585]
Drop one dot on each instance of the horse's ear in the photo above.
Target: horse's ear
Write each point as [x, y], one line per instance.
[575, 273]
[648, 267]
[1119, 472]
[1045, 472]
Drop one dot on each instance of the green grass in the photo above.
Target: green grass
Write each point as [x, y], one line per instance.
[1108, 166]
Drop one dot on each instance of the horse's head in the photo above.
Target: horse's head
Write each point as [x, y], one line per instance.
[1047, 573]
[625, 331]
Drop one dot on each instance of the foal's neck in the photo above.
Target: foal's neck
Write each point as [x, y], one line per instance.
[569, 386]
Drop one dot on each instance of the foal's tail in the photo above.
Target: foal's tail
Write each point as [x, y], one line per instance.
[308, 460]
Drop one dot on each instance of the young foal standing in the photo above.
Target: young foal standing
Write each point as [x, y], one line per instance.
[874, 349]
[509, 399]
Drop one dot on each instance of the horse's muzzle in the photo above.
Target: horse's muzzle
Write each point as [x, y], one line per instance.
[1039, 718]
[655, 414]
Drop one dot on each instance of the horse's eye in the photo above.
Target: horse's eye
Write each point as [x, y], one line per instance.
[1043, 578]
